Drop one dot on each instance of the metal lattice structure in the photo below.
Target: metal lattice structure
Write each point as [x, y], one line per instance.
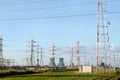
[78, 54]
[37, 51]
[71, 56]
[32, 58]
[1, 51]
[41, 57]
[52, 58]
[102, 41]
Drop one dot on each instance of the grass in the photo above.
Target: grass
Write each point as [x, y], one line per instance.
[68, 75]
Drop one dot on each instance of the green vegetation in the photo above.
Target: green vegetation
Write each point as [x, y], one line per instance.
[67, 75]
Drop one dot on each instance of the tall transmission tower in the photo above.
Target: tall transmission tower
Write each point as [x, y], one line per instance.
[37, 51]
[53, 51]
[32, 59]
[78, 54]
[71, 56]
[41, 56]
[52, 58]
[102, 40]
[1, 51]
[112, 49]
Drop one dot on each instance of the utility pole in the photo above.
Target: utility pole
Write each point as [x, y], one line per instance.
[52, 59]
[119, 63]
[112, 49]
[85, 60]
[27, 60]
[37, 51]
[71, 56]
[102, 34]
[1, 51]
[53, 51]
[41, 56]
[117, 60]
[78, 54]
[114, 61]
[32, 61]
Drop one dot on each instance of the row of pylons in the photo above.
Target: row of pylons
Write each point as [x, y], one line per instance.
[60, 64]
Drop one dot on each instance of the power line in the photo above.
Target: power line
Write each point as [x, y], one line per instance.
[63, 6]
[55, 17]
[44, 1]
[51, 17]
[6, 40]
[53, 7]
[26, 3]
[113, 1]
[114, 12]
[20, 1]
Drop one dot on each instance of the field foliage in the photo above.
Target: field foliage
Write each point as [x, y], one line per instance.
[67, 75]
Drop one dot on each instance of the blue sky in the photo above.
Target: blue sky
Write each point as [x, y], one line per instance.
[60, 31]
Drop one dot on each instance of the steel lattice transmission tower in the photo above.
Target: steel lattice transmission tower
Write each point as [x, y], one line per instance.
[32, 58]
[41, 56]
[102, 41]
[37, 51]
[78, 54]
[52, 58]
[1, 51]
[71, 56]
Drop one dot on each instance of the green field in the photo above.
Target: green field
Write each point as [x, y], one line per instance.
[68, 75]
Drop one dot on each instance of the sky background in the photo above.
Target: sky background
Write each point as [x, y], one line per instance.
[60, 31]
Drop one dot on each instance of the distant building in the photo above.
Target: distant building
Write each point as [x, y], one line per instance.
[61, 63]
[52, 63]
[85, 69]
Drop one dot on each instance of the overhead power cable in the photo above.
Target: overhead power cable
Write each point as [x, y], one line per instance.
[26, 3]
[113, 0]
[55, 17]
[44, 1]
[51, 17]
[51, 7]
